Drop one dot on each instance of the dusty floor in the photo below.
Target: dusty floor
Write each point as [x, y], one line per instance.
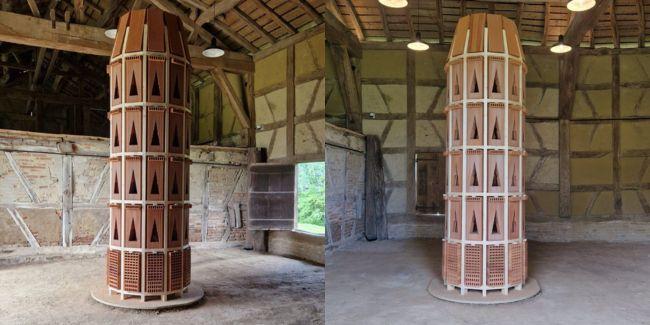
[587, 283]
[240, 286]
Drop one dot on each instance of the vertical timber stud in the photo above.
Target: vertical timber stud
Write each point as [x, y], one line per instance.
[568, 72]
[484, 247]
[410, 132]
[616, 133]
[148, 254]
[291, 101]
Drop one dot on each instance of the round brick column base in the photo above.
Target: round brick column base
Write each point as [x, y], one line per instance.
[439, 290]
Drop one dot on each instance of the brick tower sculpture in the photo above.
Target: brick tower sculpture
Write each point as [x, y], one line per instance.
[148, 254]
[484, 247]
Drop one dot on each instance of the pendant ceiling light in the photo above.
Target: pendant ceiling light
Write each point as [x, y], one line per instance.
[213, 51]
[110, 33]
[394, 3]
[417, 44]
[560, 47]
[580, 5]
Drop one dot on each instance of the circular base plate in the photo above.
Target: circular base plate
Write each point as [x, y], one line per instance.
[194, 293]
[439, 290]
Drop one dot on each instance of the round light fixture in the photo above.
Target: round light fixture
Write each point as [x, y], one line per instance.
[418, 45]
[213, 51]
[110, 33]
[394, 3]
[580, 5]
[560, 47]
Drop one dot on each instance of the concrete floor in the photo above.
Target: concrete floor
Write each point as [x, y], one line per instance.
[240, 287]
[582, 283]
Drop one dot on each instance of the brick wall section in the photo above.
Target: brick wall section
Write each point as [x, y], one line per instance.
[345, 171]
[31, 190]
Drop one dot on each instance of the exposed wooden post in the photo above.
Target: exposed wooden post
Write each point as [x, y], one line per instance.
[256, 240]
[641, 8]
[375, 214]
[410, 132]
[291, 100]
[616, 134]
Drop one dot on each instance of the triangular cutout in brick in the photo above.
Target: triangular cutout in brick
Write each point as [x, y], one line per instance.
[133, 236]
[514, 131]
[116, 143]
[116, 187]
[133, 139]
[474, 223]
[154, 184]
[496, 134]
[133, 91]
[495, 177]
[133, 188]
[456, 132]
[513, 179]
[496, 87]
[456, 181]
[474, 177]
[174, 233]
[455, 223]
[155, 140]
[154, 233]
[457, 87]
[155, 88]
[475, 135]
[177, 91]
[515, 90]
[175, 141]
[495, 224]
[475, 88]
[116, 235]
[175, 186]
[116, 92]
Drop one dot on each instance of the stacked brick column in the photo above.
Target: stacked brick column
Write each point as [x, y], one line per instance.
[484, 247]
[148, 253]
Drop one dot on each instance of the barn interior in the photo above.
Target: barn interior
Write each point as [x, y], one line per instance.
[586, 167]
[261, 102]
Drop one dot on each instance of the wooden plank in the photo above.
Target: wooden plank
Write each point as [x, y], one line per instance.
[375, 213]
[458, 43]
[310, 10]
[249, 90]
[235, 36]
[33, 6]
[612, 20]
[274, 16]
[477, 24]
[236, 104]
[219, 8]
[495, 33]
[356, 23]
[441, 23]
[641, 9]
[410, 132]
[288, 41]
[547, 15]
[20, 222]
[384, 22]
[32, 31]
[254, 25]
[291, 100]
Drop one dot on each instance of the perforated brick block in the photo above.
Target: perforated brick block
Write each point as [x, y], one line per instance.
[155, 272]
[132, 262]
[495, 265]
[473, 265]
[187, 266]
[175, 270]
[516, 267]
[113, 268]
[453, 263]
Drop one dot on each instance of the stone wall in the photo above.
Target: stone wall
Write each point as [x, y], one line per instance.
[37, 171]
[345, 172]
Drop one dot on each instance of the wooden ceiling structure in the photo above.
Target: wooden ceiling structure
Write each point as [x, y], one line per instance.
[623, 24]
[41, 68]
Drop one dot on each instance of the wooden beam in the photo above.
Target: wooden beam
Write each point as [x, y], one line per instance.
[268, 11]
[288, 41]
[254, 25]
[194, 28]
[409, 21]
[291, 100]
[616, 134]
[32, 31]
[33, 6]
[547, 17]
[219, 8]
[411, 190]
[584, 21]
[80, 11]
[347, 85]
[236, 104]
[332, 7]
[612, 20]
[224, 28]
[196, 4]
[337, 33]
[641, 9]
[356, 24]
[310, 10]
[384, 22]
[441, 24]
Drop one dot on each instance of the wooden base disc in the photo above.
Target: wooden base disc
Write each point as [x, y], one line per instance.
[193, 294]
[439, 290]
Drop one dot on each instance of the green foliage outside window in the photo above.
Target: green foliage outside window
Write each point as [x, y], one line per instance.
[310, 189]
